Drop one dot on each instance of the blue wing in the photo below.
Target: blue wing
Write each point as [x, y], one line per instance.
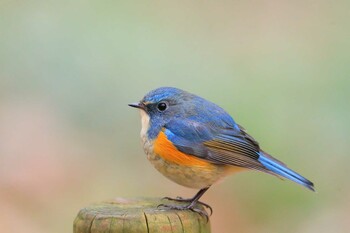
[225, 142]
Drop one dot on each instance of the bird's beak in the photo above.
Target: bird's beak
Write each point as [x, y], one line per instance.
[137, 105]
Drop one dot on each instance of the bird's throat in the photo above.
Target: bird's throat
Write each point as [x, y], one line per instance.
[145, 120]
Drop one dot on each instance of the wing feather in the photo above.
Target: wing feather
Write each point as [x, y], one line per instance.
[218, 144]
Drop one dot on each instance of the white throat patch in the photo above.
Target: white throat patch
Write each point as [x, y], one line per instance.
[144, 124]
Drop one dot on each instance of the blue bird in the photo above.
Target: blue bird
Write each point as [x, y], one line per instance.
[196, 143]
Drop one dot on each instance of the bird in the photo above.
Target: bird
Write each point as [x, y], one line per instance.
[196, 143]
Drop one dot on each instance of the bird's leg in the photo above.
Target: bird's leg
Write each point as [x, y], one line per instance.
[192, 202]
[193, 199]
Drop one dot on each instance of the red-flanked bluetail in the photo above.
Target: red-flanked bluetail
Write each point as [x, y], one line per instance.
[195, 143]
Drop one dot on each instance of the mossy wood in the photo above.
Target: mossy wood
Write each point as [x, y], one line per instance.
[139, 215]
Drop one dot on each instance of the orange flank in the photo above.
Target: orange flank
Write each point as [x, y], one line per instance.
[164, 148]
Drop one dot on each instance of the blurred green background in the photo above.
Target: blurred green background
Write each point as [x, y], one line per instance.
[68, 138]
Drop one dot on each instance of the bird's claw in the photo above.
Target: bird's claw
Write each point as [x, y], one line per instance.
[187, 207]
[180, 199]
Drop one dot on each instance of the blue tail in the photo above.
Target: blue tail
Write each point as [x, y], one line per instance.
[282, 170]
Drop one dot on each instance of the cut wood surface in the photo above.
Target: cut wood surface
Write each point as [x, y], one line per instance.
[139, 215]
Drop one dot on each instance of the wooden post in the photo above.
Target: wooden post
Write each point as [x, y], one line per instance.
[139, 215]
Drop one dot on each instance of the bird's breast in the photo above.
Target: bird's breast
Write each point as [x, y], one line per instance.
[184, 169]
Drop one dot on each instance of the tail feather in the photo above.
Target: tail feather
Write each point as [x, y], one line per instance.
[281, 170]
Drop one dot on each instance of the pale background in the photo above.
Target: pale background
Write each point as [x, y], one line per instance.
[68, 138]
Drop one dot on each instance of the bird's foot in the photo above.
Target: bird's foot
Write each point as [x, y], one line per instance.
[180, 199]
[190, 206]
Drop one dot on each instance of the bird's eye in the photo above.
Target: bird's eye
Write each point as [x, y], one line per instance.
[162, 106]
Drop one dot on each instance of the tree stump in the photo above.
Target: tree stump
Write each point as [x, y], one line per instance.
[139, 215]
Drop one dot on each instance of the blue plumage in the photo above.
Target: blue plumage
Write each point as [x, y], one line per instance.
[285, 172]
[202, 129]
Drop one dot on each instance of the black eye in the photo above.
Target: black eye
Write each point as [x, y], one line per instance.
[162, 106]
